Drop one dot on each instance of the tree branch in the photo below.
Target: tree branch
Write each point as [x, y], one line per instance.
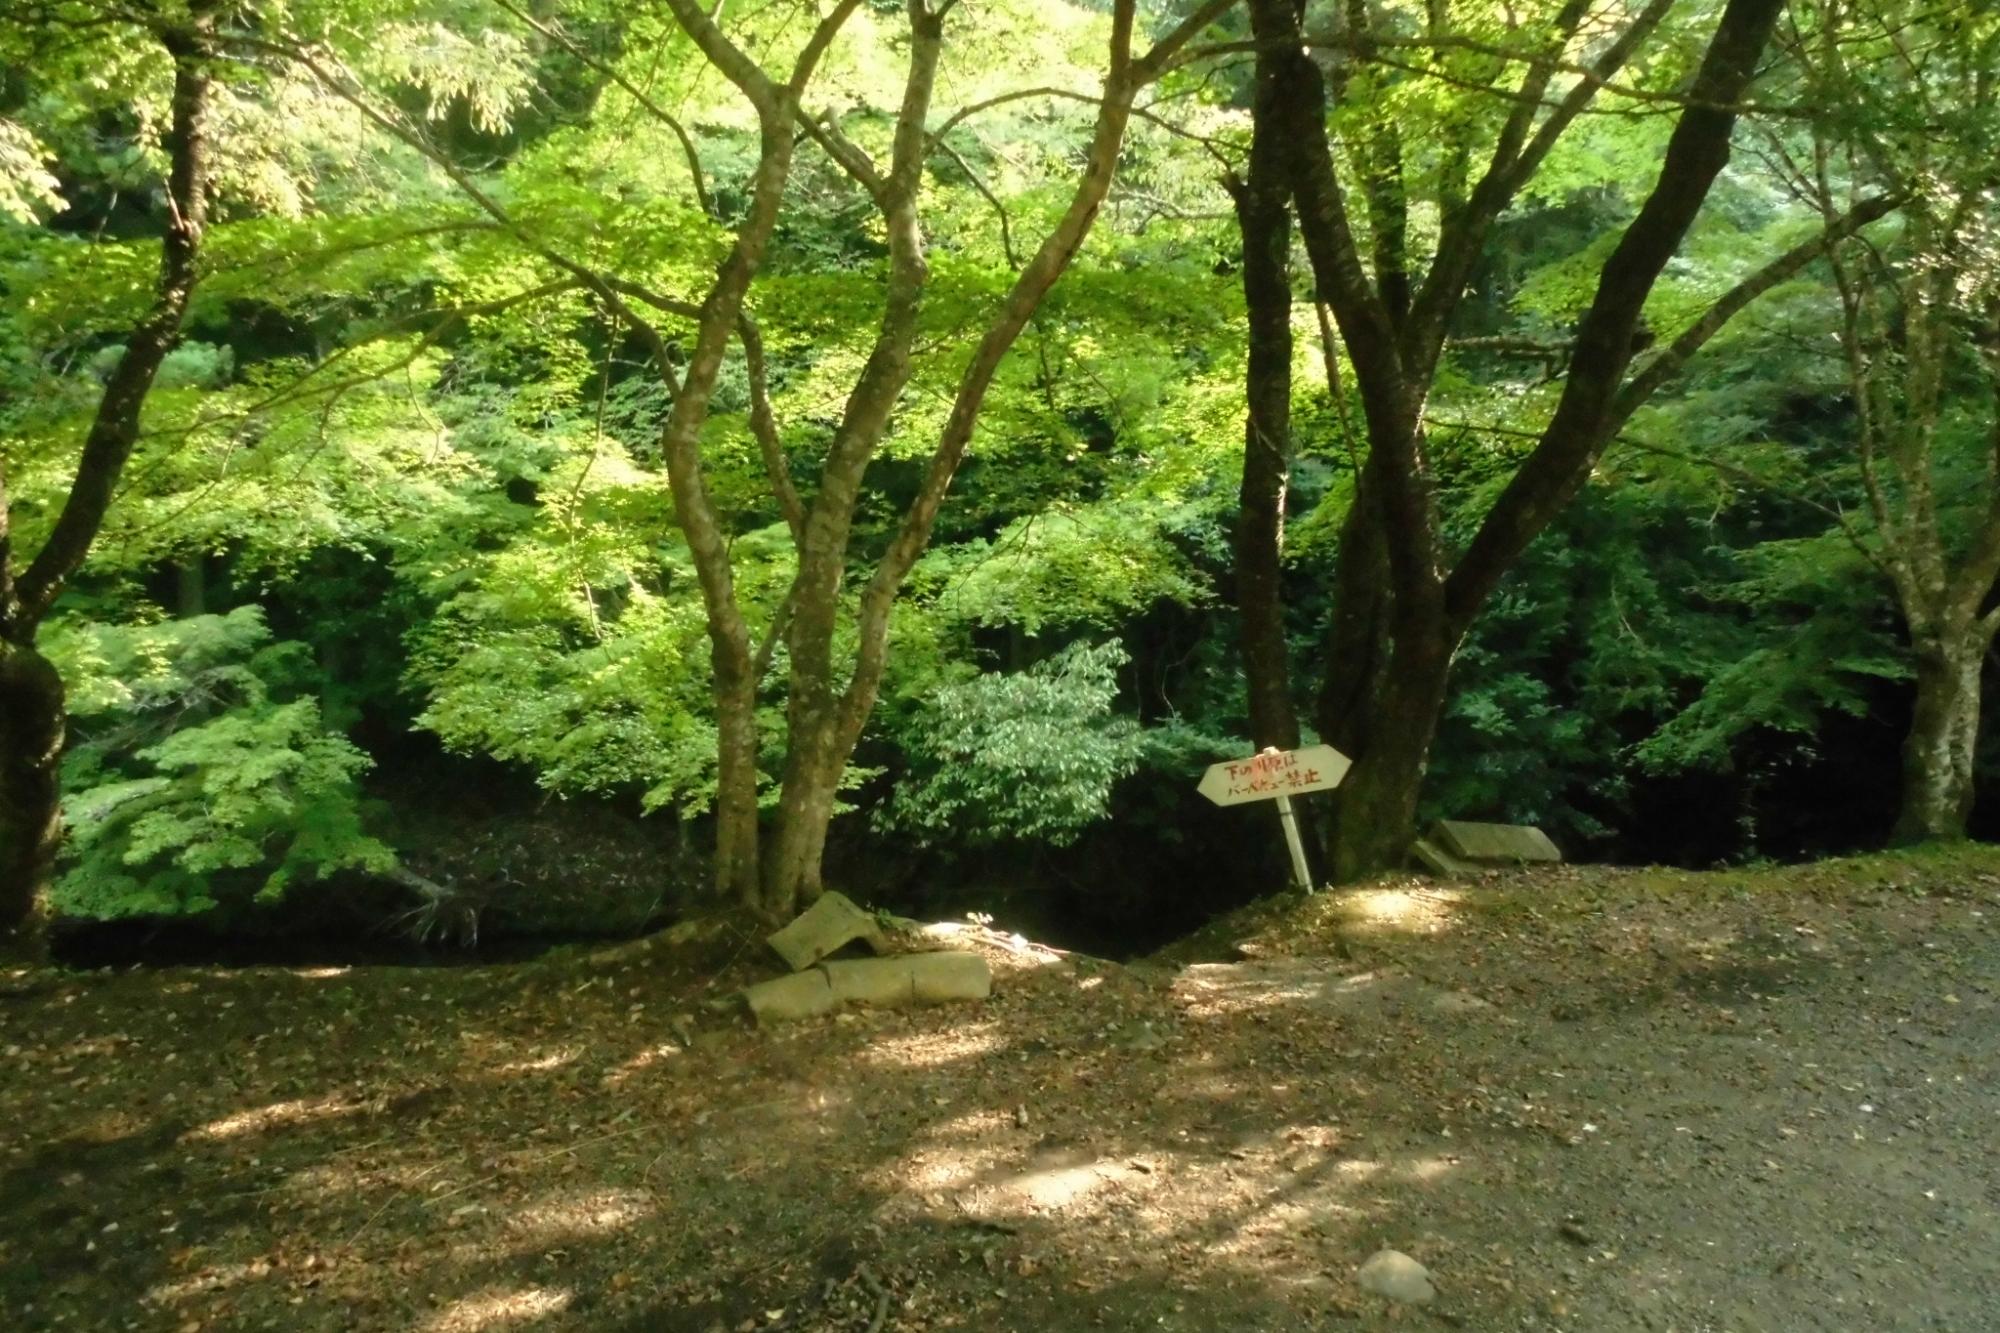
[1050, 261]
[846, 154]
[632, 90]
[992, 200]
[115, 427]
[1515, 159]
[764, 426]
[1581, 425]
[1669, 360]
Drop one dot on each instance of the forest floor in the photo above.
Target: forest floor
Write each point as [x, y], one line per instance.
[1587, 1100]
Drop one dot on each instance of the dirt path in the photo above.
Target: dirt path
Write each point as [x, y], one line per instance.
[1586, 1101]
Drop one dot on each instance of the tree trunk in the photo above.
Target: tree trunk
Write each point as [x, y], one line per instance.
[1398, 616]
[1938, 752]
[32, 701]
[793, 855]
[736, 833]
[1355, 660]
[1264, 217]
[1387, 731]
[824, 721]
[31, 741]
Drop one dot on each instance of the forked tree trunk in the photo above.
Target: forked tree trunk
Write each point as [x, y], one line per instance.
[824, 715]
[1939, 749]
[31, 741]
[718, 322]
[1400, 613]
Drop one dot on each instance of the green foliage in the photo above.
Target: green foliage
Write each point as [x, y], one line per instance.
[397, 425]
[198, 779]
[27, 189]
[1092, 567]
[573, 641]
[1028, 754]
[1807, 637]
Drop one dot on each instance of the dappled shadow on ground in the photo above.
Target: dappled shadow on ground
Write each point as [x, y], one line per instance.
[1566, 1105]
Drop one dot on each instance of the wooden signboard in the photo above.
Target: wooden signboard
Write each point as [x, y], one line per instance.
[1274, 773]
[1278, 775]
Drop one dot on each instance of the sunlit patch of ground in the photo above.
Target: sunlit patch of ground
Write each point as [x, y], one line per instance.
[473, 1314]
[218, 1278]
[1055, 1181]
[538, 1064]
[277, 1115]
[1409, 909]
[640, 1063]
[588, 1213]
[945, 1045]
[1005, 951]
[1224, 989]
[942, 1168]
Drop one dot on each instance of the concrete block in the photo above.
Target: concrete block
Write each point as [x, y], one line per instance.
[829, 924]
[1493, 844]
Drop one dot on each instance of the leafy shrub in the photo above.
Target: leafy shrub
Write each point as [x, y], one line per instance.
[1027, 754]
[198, 777]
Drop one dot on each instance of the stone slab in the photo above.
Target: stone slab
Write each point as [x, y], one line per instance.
[913, 978]
[829, 924]
[1493, 844]
[786, 999]
[1441, 862]
[918, 978]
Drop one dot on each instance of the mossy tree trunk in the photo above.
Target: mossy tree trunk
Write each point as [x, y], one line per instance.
[31, 739]
[1939, 750]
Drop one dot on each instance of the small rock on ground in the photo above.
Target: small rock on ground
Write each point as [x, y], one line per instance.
[1395, 1276]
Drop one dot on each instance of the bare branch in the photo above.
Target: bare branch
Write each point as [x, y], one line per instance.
[993, 201]
[1669, 360]
[846, 154]
[764, 426]
[632, 90]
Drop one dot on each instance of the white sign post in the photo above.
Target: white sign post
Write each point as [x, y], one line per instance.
[1280, 775]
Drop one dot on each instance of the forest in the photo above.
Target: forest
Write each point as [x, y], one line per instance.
[907, 445]
[518, 517]
[901, 446]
